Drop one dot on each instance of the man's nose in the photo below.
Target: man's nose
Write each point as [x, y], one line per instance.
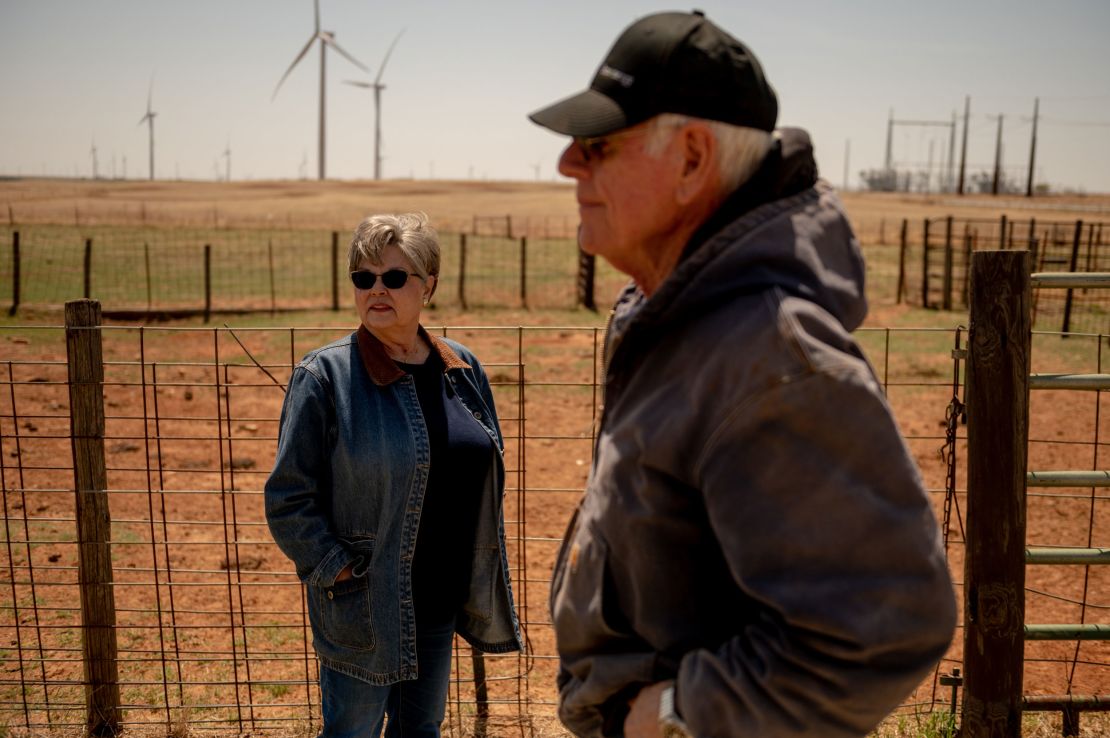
[572, 162]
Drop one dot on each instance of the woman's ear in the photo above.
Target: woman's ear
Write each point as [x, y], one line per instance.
[430, 290]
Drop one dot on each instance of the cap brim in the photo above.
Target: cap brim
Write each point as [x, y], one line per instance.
[588, 113]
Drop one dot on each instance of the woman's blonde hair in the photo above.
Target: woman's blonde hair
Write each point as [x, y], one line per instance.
[409, 232]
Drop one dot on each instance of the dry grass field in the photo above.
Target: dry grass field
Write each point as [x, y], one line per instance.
[536, 208]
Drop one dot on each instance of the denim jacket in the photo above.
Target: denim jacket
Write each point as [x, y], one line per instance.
[347, 488]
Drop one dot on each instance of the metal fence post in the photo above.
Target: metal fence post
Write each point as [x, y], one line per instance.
[587, 266]
[207, 281]
[15, 273]
[925, 265]
[946, 298]
[334, 270]
[146, 263]
[90, 481]
[1077, 239]
[997, 434]
[462, 270]
[524, 271]
[88, 268]
[903, 244]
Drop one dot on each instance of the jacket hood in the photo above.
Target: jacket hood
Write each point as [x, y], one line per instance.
[783, 229]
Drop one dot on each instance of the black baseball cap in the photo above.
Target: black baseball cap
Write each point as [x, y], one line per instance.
[668, 63]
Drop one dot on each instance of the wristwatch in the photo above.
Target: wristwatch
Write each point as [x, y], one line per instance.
[670, 724]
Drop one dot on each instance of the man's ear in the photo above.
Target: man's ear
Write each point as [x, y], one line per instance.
[699, 163]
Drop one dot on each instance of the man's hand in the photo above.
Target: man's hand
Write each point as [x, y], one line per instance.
[643, 717]
[345, 573]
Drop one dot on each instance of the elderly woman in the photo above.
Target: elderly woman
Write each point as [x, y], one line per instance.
[386, 494]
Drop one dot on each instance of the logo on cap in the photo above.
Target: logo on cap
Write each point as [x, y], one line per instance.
[623, 78]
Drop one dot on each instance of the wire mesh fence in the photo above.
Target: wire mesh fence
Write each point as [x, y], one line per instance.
[181, 271]
[937, 255]
[209, 617]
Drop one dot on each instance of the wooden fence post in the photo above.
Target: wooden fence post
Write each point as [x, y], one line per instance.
[15, 273]
[997, 434]
[207, 281]
[524, 272]
[481, 694]
[334, 270]
[462, 270]
[90, 481]
[88, 268]
[903, 244]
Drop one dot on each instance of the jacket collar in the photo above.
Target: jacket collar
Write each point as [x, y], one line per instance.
[384, 370]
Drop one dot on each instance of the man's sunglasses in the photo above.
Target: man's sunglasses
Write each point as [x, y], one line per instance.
[594, 148]
[394, 279]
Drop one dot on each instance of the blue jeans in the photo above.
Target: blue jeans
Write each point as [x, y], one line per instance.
[353, 708]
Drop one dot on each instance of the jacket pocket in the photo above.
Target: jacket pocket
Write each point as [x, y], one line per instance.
[345, 614]
[585, 606]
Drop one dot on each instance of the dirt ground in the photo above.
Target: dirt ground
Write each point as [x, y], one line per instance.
[191, 414]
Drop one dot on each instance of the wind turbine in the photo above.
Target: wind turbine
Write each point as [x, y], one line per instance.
[377, 87]
[227, 155]
[92, 152]
[326, 38]
[149, 118]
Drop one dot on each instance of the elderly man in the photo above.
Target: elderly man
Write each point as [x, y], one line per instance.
[755, 554]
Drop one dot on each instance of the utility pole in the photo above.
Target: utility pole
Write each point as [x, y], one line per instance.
[951, 155]
[997, 157]
[847, 155]
[889, 139]
[1032, 148]
[320, 154]
[963, 151]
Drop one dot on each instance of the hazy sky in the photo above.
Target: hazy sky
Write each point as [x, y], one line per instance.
[464, 76]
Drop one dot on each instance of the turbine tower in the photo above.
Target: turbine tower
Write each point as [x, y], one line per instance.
[377, 87]
[227, 155]
[326, 39]
[149, 118]
[92, 152]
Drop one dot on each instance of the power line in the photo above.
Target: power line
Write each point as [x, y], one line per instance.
[1078, 123]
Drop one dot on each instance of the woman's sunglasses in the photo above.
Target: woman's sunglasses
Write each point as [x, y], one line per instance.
[394, 279]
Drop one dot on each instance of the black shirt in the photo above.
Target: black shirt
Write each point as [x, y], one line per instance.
[460, 460]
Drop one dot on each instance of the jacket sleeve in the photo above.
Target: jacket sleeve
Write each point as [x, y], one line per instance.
[836, 539]
[298, 490]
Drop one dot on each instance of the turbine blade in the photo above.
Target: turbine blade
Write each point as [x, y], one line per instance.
[150, 94]
[381, 70]
[295, 61]
[330, 41]
[366, 85]
[316, 7]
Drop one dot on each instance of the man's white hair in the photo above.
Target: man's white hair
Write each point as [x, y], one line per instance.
[740, 150]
